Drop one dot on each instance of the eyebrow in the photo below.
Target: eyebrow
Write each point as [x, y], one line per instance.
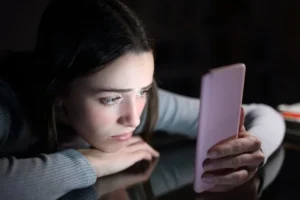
[117, 90]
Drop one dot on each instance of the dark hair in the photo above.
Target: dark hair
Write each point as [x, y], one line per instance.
[76, 38]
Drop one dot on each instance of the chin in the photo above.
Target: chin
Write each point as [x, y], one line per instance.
[109, 147]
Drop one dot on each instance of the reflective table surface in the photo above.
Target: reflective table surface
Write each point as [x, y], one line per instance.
[171, 177]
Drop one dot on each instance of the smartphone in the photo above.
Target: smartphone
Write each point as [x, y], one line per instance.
[219, 114]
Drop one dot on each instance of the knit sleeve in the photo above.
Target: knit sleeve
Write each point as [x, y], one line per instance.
[41, 177]
[178, 114]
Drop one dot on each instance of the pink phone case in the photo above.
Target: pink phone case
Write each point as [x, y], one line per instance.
[219, 114]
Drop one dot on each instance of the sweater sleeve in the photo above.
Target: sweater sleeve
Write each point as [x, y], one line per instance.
[41, 177]
[179, 115]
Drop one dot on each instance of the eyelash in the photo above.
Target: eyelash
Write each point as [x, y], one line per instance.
[145, 92]
[110, 101]
[114, 101]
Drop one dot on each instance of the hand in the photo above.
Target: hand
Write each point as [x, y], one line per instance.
[120, 194]
[234, 161]
[247, 191]
[109, 163]
[122, 180]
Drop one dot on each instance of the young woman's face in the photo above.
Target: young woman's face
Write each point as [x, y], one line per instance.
[105, 108]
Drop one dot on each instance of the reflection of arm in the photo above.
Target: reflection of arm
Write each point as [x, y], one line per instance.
[179, 114]
[88, 193]
[174, 170]
[272, 168]
[108, 187]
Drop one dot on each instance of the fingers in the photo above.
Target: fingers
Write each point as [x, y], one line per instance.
[141, 155]
[145, 174]
[137, 143]
[137, 149]
[238, 190]
[142, 146]
[249, 160]
[235, 147]
[234, 179]
[141, 151]
[151, 167]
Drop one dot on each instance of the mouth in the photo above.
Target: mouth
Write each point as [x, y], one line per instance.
[122, 137]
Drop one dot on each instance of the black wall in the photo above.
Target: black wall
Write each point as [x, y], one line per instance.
[193, 36]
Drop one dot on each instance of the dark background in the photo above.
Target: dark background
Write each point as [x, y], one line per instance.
[193, 36]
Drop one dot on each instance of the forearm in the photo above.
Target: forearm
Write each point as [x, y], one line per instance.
[44, 177]
[179, 114]
[174, 170]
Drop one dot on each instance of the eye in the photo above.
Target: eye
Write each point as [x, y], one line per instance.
[143, 93]
[110, 101]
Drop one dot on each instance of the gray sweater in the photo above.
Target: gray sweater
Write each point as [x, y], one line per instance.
[53, 175]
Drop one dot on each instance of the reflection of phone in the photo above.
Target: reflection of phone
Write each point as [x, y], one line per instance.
[219, 114]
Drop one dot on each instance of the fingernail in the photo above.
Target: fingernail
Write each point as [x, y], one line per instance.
[207, 178]
[207, 167]
[156, 155]
[212, 154]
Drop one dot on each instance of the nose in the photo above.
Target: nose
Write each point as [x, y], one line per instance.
[130, 116]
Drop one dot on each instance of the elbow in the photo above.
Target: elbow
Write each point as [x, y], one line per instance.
[277, 123]
[268, 125]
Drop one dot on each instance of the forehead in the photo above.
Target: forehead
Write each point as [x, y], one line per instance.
[132, 70]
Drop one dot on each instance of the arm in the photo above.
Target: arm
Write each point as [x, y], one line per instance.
[266, 124]
[179, 114]
[42, 177]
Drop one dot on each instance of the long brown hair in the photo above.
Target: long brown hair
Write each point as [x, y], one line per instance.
[75, 38]
[152, 113]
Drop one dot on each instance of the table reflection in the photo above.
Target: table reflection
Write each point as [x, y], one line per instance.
[171, 177]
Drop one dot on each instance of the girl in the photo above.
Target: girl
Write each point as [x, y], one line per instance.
[69, 116]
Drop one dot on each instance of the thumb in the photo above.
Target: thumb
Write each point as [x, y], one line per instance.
[242, 118]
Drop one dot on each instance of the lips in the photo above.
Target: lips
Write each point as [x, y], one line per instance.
[122, 137]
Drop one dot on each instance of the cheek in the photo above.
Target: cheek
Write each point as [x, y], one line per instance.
[91, 115]
[102, 116]
[140, 106]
